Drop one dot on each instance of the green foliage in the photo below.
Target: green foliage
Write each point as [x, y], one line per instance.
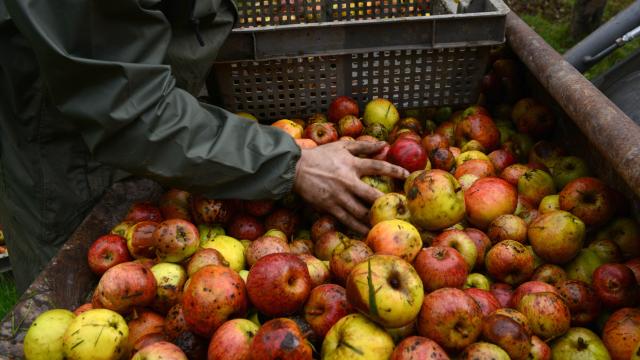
[8, 294]
[554, 27]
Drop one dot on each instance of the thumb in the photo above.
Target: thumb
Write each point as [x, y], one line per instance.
[364, 147]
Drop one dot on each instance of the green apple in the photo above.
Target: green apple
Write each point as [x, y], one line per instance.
[478, 281]
[276, 233]
[208, 232]
[43, 340]
[471, 155]
[380, 182]
[381, 111]
[583, 265]
[170, 280]
[387, 289]
[97, 334]
[389, 207]
[483, 350]
[243, 274]
[356, 337]
[549, 203]
[579, 344]
[247, 115]
[535, 184]
[567, 169]
[557, 236]
[231, 249]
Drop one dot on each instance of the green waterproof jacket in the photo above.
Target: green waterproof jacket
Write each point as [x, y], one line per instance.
[94, 89]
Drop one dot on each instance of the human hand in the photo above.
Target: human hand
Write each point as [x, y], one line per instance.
[328, 177]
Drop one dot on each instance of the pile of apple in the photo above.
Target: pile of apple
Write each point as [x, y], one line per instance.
[499, 245]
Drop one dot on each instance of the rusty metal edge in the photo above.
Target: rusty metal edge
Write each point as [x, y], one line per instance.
[608, 129]
[66, 282]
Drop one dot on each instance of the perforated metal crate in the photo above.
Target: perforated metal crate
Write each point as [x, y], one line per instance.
[290, 58]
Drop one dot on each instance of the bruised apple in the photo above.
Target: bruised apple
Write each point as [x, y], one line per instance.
[280, 338]
[326, 305]
[213, 295]
[439, 267]
[395, 237]
[389, 207]
[232, 340]
[418, 347]
[125, 286]
[489, 198]
[436, 200]
[175, 240]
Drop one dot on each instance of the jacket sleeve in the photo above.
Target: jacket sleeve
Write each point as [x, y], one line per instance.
[103, 62]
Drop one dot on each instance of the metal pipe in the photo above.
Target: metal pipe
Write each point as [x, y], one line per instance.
[612, 132]
[603, 37]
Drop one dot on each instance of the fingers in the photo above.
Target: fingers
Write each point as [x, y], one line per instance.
[353, 206]
[364, 147]
[379, 167]
[365, 192]
[348, 219]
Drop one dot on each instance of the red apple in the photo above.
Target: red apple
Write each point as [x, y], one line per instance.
[583, 302]
[489, 198]
[324, 246]
[634, 265]
[547, 314]
[279, 284]
[232, 340]
[326, 305]
[508, 333]
[143, 211]
[447, 130]
[140, 240]
[432, 142]
[318, 269]
[501, 159]
[174, 204]
[616, 286]
[264, 246]
[125, 286]
[280, 338]
[106, 252]
[341, 107]
[259, 207]
[174, 323]
[478, 127]
[509, 261]
[589, 199]
[483, 243]
[539, 349]
[321, 134]
[440, 267]
[621, 333]
[507, 227]
[350, 125]
[205, 257]
[530, 287]
[144, 323]
[549, 273]
[282, 219]
[451, 318]
[443, 159]
[345, 257]
[536, 121]
[513, 172]
[408, 154]
[160, 350]
[325, 223]
[460, 241]
[478, 167]
[213, 295]
[208, 211]
[245, 227]
[418, 347]
[485, 299]
[175, 240]
[502, 292]
[301, 246]
[395, 237]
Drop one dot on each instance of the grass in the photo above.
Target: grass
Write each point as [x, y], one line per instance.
[8, 294]
[552, 18]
